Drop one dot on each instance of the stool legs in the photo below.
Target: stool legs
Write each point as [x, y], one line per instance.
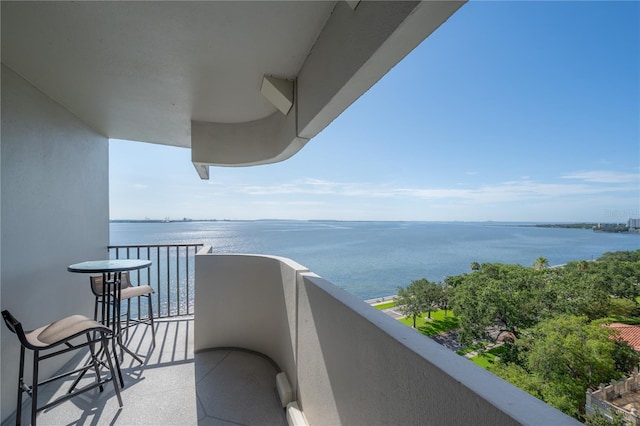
[105, 344]
[95, 363]
[34, 388]
[126, 338]
[153, 327]
[21, 386]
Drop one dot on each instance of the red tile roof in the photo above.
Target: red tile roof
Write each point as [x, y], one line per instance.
[628, 333]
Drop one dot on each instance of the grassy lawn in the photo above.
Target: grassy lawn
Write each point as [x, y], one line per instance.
[488, 358]
[471, 348]
[385, 305]
[438, 323]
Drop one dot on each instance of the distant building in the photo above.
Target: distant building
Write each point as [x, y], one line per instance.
[633, 224]
[622, 396]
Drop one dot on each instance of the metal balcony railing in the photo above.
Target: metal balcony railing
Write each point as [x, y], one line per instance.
[171, 275]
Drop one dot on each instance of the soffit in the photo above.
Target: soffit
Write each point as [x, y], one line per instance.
[144, 70]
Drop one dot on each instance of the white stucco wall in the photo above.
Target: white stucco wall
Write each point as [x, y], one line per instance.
[357, 365]
[248, 302]
[347, 362]
[54, 212]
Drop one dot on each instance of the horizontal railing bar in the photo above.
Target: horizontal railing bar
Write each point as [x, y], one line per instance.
[154, 245]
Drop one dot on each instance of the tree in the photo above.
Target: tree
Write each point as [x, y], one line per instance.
[474, 315]
[560, 347]
[410, 301]
[569, 346]
[453, 280]
[599, 419]
[431, 296]
[540, 263]
[475, 266]
[570, 291]
[446, 296]
[625, 357]
[623, 307]
[625, 256]
[420, 296]
[583, 265]
[498, 295]
[518, 376]
[620, 278]
[569, 355]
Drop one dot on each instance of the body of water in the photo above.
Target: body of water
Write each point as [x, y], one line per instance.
[371, 259]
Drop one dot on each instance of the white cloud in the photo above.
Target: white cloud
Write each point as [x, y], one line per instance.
[516, 190]
[603, 176]
[138, 186]
[304, 186]
[288, 203]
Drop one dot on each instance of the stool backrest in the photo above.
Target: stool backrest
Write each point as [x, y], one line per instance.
[97, 284]
[14, 325]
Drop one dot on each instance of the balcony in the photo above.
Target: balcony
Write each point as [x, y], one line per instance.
[347, 363]
[173, 386]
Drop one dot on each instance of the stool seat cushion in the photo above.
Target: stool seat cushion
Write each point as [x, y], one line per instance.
[62, 330]
[135, 291]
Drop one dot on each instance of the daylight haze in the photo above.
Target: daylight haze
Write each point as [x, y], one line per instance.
[511, 111]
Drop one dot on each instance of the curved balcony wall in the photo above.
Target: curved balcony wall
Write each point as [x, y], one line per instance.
[247, 302]
[347, 362]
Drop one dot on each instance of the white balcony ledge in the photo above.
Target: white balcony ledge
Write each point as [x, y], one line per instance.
[347, 362]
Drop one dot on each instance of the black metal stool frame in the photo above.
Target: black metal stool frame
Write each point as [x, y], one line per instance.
[101, 297]
[16, 327]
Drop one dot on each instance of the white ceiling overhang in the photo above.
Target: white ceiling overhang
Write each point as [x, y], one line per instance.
[190, 74]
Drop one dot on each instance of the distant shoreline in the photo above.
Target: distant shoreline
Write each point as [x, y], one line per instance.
[487, 222]
[616, 228]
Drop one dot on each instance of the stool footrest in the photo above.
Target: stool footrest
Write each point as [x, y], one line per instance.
[71, 395]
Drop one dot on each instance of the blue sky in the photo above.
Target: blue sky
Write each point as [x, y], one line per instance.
[511, 111]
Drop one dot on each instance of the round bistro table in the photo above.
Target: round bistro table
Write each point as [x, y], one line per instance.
[111, 270]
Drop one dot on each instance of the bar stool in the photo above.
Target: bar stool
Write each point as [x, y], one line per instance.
[127, 292]
[59, 333]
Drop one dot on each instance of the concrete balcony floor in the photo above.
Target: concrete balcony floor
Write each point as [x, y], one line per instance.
[173, 386]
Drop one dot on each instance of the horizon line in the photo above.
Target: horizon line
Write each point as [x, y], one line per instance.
[564, 222]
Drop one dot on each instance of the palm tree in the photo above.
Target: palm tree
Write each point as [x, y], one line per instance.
[540, 263]
[582, 265]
